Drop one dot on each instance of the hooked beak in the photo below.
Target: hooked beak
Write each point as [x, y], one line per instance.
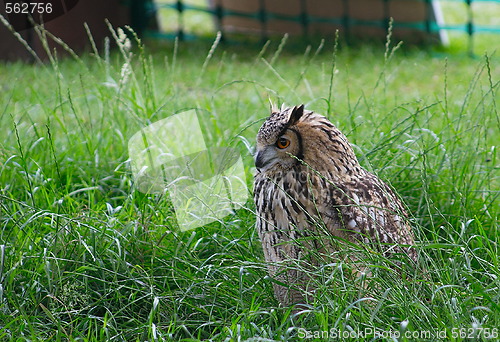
[259, 160]
[263, 158]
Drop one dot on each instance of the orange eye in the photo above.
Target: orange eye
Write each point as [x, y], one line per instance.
[283, 143]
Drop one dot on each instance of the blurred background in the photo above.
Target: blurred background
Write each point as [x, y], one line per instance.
[472, 26]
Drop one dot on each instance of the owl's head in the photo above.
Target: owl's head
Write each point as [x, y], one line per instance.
[278, 142]
[292, 136]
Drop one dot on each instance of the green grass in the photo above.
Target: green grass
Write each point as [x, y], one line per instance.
[85, 257]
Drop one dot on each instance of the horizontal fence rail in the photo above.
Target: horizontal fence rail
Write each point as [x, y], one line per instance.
[411, 20]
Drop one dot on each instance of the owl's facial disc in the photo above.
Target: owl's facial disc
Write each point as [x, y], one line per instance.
[278, 154]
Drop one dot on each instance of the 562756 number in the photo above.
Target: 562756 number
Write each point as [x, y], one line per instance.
[28, 7]
[467, 333]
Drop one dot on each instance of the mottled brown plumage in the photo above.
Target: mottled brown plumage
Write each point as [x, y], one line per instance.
[309, 187]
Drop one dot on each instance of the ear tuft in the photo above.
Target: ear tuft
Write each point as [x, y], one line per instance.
[297, 113]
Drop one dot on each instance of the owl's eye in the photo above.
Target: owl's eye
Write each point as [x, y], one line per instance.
[283, 143]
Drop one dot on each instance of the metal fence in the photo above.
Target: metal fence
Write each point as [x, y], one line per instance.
[411, 20]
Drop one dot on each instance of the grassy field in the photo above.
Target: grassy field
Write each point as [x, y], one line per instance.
[85, 257]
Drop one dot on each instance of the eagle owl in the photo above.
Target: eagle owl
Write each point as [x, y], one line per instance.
[310, 191]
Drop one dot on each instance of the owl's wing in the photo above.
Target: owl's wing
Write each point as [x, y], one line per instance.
[365, 209]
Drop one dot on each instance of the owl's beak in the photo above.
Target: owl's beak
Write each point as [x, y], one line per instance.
[264, 157]
[259, 160]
